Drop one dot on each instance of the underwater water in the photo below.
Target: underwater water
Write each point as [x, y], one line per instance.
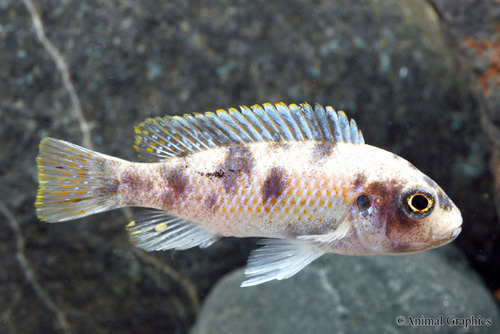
[88, 72]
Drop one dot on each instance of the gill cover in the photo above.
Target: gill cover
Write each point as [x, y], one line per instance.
[370, 222]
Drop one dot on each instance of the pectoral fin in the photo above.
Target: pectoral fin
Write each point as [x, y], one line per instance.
[280, 259]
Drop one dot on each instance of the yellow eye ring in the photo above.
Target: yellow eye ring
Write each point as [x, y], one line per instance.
[420, 202]
[417, 202]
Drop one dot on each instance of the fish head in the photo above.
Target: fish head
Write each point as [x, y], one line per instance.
[403, 211]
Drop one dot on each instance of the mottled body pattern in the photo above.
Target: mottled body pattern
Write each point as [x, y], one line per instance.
[302, 177]
[278, 194]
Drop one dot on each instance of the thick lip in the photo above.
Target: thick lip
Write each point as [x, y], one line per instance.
[418, 247]
[453, 234]
[447, 238]
[456, 232]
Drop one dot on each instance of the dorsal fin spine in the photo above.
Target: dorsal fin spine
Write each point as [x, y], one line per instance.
[323, 123]
[304, 125]
[242, 121]
[236, 127]
[259, 127]
[184, 140]
[268, 122]
[333, 119]
[294, 123]
[158, 139]
[286, 126]
[316, 128]
[344, 126]
[187, 139]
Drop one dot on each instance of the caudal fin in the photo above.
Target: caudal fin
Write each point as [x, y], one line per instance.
[74, 181]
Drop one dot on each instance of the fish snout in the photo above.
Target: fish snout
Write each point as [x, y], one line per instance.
[453, 234]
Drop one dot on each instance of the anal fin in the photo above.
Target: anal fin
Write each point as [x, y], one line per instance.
[157, 230]
[280, 259]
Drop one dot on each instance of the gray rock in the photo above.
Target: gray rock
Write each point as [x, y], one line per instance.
[345, 294]
[386, 63]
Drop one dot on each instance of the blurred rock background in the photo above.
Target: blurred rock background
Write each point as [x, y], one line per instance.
[421, 78]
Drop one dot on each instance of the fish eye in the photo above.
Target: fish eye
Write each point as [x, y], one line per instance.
[364, 202]
[417, 203]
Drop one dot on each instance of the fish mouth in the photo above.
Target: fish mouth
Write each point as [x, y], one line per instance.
[447, 238]
[455, 232]
[416, 247]
[451, 235]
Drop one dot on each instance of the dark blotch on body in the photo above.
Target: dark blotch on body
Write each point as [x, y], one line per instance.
[176, 185]
[322, 150]
[389, 193]
[359, 181]
[134, 186]
[274, 185]
[239, 161]
[177, 180]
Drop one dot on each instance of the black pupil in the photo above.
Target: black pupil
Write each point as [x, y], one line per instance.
[419, 202]
[364, 202]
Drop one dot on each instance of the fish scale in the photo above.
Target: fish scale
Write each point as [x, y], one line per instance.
[299, 176]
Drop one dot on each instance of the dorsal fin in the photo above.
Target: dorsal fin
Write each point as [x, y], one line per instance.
[160, 138]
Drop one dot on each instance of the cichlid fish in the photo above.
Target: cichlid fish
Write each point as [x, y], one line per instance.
[298, 175]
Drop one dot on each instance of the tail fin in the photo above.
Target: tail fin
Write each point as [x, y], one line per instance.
[74, 181]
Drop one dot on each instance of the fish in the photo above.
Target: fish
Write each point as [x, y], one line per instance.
[299, 176]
